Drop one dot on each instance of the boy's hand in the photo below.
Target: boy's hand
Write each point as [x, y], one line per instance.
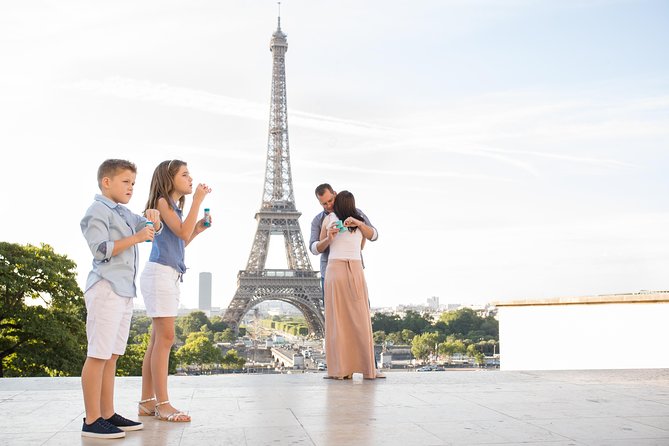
[146, 234]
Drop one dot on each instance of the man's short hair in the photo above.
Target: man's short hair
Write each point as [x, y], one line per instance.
[111, 167]
[320, 190]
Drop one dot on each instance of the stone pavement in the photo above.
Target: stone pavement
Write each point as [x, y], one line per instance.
[556, 408]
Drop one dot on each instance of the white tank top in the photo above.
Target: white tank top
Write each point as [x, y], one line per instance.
[346, 245]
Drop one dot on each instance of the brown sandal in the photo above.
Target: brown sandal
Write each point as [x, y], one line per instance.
[143, 411]
[338, 377]
[378, 375]
[175, 417]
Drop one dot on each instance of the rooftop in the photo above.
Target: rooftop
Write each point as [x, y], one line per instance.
[556, 408]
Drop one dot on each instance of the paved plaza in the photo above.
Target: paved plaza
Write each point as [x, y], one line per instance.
[558, 408]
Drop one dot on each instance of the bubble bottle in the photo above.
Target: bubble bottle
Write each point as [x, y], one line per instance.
[149, 223]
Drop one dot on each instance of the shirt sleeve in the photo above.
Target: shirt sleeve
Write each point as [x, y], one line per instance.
[96, 232]
[141, 223]
[375, 235]
[315, 235]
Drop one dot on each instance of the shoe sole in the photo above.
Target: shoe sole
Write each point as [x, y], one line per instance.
[131, 428]
[110, 436]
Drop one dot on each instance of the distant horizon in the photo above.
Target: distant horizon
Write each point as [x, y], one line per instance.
[459, 304]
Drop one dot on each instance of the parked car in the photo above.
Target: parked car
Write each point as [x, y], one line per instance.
[431, 368]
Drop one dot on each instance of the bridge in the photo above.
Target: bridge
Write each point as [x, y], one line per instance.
[287, 358]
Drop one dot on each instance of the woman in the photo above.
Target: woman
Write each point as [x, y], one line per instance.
[349, 347]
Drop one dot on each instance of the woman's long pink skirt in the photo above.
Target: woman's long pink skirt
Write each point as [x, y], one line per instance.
[349, 347]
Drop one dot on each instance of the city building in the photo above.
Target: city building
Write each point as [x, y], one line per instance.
[204, 301]
[614, 331]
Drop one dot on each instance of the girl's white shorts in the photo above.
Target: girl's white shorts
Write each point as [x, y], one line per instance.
[160, 288]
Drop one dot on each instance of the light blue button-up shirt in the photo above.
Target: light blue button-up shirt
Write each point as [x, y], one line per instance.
[104, 223]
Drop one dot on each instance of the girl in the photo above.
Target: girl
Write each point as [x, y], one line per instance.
[160, 279]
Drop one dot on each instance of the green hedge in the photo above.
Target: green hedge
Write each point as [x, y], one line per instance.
[291, 327]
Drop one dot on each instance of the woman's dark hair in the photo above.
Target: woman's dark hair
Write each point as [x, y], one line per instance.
[344, 207]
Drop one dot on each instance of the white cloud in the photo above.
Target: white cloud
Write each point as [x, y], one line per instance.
[168, 95]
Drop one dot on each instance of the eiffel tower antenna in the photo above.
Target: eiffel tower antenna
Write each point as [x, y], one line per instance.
[299, 284]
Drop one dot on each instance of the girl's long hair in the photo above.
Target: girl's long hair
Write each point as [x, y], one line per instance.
[344, 207]
[162, 184]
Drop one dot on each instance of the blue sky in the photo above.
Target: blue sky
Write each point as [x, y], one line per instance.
[504, 149]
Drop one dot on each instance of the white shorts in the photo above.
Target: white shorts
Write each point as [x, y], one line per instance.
[160, 288]
[107, 320]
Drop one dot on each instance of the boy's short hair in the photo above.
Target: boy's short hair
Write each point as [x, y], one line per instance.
[111, 167]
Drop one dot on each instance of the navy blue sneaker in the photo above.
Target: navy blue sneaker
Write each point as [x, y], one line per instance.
[101, 429]
[123, 423]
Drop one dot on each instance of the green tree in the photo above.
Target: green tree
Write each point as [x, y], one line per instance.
[226, 335]
[130, 364]
[207, 331]
[232, 360]
[389, 323]
[407, 336]
[42, 313]
[452, 346]
[415, 322]
[139, 325]
[423, 345]
[395, 338]
[217, 324]
[474, 336]
[192, 322]
[461, 322]
[379, 337]
[441, 327]
[471, 350]
[492, 347]
[198, 350]
[490, 326]
[179, 333]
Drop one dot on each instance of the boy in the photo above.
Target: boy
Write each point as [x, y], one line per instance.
[112, 232]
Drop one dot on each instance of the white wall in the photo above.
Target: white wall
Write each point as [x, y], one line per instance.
[584, 336]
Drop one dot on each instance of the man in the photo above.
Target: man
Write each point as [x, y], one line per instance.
[326, 196]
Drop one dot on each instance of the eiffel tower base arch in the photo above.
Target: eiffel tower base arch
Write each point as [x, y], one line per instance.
[294, 287]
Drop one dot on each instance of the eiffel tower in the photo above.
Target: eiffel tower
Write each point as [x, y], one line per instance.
[298, 285]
